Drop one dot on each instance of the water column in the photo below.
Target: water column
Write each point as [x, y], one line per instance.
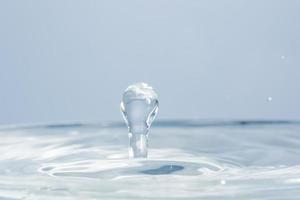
[139, 107]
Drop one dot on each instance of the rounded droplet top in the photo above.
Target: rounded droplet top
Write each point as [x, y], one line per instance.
[139, 91]
[139, 107]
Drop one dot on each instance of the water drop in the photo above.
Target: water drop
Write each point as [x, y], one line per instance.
[270, 98]
[139, 107]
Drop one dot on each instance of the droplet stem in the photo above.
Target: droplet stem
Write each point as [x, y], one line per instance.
[138, 145]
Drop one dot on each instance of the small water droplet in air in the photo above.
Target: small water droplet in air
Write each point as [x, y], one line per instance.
[139, 107]
[270, 99]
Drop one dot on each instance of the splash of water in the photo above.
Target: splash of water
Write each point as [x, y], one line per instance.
[139, 107]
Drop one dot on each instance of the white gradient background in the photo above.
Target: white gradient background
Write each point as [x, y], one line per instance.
[69, 60]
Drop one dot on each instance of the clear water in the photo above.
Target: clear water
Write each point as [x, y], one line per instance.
[139, 107]
[186, 160]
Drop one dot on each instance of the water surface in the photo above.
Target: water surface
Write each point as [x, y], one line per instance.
[187, 160]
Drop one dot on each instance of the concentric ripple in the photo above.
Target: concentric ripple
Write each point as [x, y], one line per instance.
[187, 159]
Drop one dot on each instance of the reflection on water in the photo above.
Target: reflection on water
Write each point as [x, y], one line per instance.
[165, 169]
[207, 160]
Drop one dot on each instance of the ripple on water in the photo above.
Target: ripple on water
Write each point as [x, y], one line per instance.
[119, 168]
[257, 161]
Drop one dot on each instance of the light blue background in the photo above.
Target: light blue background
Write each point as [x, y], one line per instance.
[71, 60]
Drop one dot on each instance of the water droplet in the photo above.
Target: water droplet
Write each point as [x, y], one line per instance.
[270, 98]
[139, 107]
